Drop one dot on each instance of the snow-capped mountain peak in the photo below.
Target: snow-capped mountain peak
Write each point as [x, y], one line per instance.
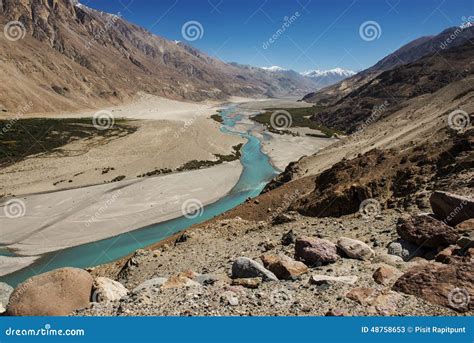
[331, 72]
[274, 68]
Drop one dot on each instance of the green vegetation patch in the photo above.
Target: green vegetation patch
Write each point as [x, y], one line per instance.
[195, 164]
[217, 118]
[20, 138]
[300, 117]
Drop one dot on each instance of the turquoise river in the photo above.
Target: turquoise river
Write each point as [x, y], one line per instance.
[257, 172]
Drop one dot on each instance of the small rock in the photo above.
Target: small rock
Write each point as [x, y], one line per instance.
[315, 251]
[55, 293]
[245, 267]
[182, 280]
[231, 298]
[384, 275]
[288, 238]
[427, 231]
[466, 227]
[451, 208]
[355, 249]
[335, 313]
[105, 289]
[150, 284]
[327, 279]
[360, 294]
[206, 279]
[283, 218]
[284, 267]
[5, 291]
[404, 249]
[466, 242]
[247, 282]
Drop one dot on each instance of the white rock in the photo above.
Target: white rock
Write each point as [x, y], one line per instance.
[322, 279]
[105, 289]
[355, 249]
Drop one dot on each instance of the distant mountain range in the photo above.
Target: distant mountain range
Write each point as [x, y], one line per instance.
[69, 56]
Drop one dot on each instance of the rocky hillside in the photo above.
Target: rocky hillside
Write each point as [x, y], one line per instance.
[409, 53]
[62, 55]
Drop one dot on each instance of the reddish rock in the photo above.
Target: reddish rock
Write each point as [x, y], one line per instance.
[466, 227]
[284, 267]
[427, 231]
[451, 208]
[384, 275]
[360, 294]
[450, 285]
[445, 255]
[315, 251]
[55, 293]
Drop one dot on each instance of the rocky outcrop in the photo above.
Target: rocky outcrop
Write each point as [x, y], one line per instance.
[450, 285]
[451, 208]
[427, 231]
[55, 293]
[244, 267]
[315, 251]
[354, 248]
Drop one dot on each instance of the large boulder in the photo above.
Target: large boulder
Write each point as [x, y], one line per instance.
[450, 285]
[315, 251]
[424, 230]
[355, 249]
[284, 267]
[451, 208]
[5, 291]
[105, 289]
[244, 267]
[55, 293]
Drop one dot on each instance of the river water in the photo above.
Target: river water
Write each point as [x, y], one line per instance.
[257, 172]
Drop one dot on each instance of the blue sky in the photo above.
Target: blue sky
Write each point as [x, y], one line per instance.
[324, 35]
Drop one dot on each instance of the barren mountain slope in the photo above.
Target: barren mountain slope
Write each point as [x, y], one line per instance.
[74, 57]
[416, 49]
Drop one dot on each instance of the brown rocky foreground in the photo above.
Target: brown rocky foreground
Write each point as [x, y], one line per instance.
[353, 265]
